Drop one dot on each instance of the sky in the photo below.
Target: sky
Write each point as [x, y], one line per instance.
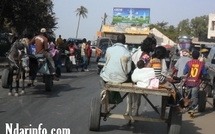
[171, 11]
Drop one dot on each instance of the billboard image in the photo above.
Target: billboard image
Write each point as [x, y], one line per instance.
[131, 15]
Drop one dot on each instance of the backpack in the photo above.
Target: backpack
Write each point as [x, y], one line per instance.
[89, 51]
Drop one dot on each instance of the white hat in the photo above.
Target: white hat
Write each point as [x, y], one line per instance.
[10, 33]
[43, 30]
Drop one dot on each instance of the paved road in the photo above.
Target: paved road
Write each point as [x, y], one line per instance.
[68, 106]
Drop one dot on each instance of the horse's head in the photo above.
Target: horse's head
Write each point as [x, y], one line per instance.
[25, 61]
[23, 57]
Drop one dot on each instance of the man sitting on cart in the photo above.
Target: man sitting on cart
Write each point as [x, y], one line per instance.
[118, 62]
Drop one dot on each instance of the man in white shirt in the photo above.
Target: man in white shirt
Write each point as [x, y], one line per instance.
[118, 62]
[83, 65]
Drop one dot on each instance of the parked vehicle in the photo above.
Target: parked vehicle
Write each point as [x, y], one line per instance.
[93, 48]
[100, 44]
[210, 63]
[4, 47]
[103, 43]
[76, 40]
[64, 54]
[101, 61]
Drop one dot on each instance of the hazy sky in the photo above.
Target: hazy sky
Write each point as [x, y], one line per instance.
[171, 11]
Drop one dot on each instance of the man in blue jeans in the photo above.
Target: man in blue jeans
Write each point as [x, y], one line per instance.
[194, 70]
[83, 65]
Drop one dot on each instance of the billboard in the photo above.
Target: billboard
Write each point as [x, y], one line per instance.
[131, 15]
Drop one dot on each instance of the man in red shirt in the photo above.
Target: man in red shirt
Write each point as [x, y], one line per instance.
[89, 52]
[72, 50]
[194, 70]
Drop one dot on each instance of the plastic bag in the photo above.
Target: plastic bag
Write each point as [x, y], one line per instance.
[44, 69]
[154, 83]
[114, 97]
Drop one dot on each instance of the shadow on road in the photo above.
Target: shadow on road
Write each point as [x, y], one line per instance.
[190, 127]
[140, 127]
[67, 77]
[58, 88]
[208, 110]
[2, 111]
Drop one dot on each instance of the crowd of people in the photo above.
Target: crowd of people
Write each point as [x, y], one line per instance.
[152, 61]
[121, 66]
[79, 53]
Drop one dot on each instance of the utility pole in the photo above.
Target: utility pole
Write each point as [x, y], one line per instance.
[103, 21]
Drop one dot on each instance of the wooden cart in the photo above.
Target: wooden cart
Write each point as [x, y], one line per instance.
[100, 107]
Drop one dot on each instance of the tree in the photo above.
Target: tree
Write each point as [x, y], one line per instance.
[28, 16]
[162, 25]
[184, 27]
[80, 12]
[172, 33]
[169, 31]
[199, 26]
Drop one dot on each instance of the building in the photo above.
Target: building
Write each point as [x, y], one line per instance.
[211, 26]
[161, 38]
[133, 34]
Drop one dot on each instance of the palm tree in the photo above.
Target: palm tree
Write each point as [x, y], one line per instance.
[80, 12]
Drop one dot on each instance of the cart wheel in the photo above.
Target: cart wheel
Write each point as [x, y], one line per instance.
[214, 98]
[175, 120]
[209, 91]
[4, 78]
[202, 101]
[68, 65]
[95, 111]
[213, 102]
[48, 82]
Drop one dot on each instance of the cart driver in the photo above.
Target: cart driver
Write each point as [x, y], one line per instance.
[41, 42]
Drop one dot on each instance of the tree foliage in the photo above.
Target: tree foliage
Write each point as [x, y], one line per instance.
[28, 16]
[196, 27]
[199, 26]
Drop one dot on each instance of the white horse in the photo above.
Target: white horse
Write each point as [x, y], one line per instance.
[19, 61]
[134, 100]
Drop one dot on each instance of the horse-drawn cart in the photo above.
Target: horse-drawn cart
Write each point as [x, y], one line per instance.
[43, 69]
[100, 107]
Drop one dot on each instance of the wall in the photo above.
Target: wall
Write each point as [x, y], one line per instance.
[161, 38]
[211, 26]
